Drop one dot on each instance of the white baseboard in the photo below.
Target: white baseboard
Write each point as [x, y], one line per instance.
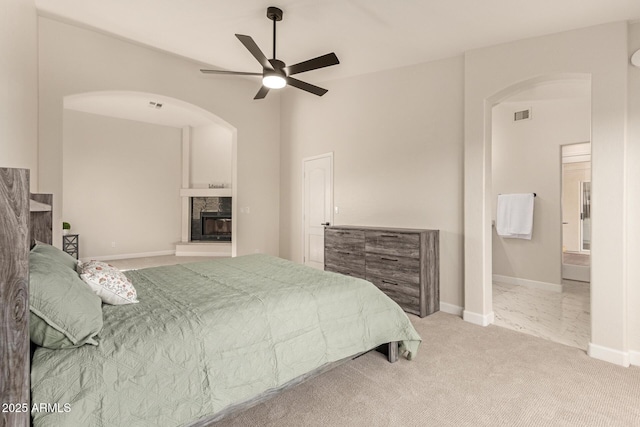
[477, 318]
[528, 283]
[451, 309]
[127, 256]
[634, 357]
[610, 355]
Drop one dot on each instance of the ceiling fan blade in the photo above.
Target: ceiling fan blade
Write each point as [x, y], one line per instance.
[306, 86]
[237, 73]
[262, 93]
[313, 64]
[248, 42]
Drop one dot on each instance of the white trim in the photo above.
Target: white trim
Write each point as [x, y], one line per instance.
[477, 318]
[610, 355]
[206, 192]
[127, 256]
[526, 282]
[451, 308]
[634, 357]
[184, 202]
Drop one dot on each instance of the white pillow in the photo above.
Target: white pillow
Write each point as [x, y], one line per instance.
[111, 285]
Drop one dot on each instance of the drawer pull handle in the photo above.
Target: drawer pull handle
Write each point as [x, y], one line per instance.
[344, 253]
[388, 259]
[390, 283]
[343, 232]
[388, 235]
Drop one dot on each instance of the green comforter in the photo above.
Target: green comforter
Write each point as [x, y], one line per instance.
[209, 334]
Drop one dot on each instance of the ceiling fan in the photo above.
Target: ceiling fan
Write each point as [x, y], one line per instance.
[275, 73]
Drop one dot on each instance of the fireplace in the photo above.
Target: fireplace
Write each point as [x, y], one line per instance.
[216, 226]
[211, 219]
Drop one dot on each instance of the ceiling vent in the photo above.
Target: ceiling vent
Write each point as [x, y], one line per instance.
[155, 105]
[522, 115]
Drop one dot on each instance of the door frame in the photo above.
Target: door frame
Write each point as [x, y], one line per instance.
[303, 222]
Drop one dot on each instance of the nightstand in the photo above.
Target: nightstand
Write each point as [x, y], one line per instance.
[71, 244]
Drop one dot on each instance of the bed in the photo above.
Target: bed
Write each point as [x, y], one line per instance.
[207, 339]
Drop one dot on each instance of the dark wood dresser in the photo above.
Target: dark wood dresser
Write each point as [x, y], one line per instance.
[404, 263]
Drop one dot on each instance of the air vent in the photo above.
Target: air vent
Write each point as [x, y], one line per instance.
[155, 105]
[522, 115]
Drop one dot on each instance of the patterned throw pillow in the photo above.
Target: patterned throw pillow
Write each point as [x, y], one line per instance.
[108, 282]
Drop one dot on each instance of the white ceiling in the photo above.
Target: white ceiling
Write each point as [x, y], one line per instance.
[367, 35]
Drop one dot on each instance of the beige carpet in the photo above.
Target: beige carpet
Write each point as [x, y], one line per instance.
[465, 375]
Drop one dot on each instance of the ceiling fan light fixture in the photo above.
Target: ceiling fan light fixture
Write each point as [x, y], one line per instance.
[274, 81]
[275, 73]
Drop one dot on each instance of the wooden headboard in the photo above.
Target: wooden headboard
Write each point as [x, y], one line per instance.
[14, 296]
[23, 218]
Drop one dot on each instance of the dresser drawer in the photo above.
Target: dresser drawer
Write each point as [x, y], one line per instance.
[340, 234]
[390, 243]
[406, 295]
[345, 261]
[344, 269]
[393, 268]
[344, 245]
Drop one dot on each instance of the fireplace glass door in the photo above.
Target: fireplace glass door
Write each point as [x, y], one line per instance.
[216, 226]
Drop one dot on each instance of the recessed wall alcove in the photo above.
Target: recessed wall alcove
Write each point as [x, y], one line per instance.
[150, 155]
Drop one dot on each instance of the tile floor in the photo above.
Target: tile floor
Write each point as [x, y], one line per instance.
[562, 317]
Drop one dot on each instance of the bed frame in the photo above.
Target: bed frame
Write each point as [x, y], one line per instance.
[20, 226]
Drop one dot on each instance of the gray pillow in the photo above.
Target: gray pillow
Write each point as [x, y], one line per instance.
[65, 312]
[55, 254]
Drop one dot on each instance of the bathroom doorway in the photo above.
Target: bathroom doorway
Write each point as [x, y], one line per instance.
[528, 132]
[576, 212]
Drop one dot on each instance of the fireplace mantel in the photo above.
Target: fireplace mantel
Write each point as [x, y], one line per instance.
[205, 192]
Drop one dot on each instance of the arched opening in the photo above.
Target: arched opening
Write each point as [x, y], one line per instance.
[529, 132]
[145, 156]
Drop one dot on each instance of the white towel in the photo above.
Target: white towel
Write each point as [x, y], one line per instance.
[514, 217]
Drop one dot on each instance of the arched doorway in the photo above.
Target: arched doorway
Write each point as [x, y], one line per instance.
[528, 133]
[162, 133]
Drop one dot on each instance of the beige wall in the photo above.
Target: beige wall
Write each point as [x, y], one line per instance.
[19, 87]
[73, 60]
[121, 180]
[633, 199]
[397, 143]
[526, 158]
[211, 161]
[493, 73]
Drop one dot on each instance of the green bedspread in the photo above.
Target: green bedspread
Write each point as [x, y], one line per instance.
[209, 334]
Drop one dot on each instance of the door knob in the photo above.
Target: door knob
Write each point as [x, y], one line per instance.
[325, 223]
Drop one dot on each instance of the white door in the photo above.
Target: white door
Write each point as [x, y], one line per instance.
[317, 200]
